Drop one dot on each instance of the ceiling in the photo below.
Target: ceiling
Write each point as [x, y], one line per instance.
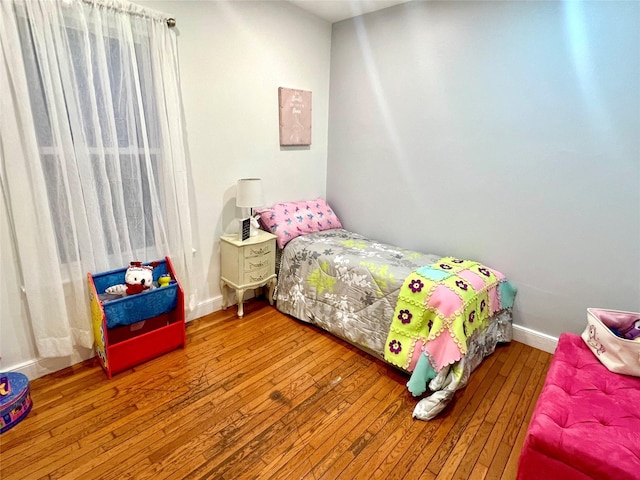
[336, 10]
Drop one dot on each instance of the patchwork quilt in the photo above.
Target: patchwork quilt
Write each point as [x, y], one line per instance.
[439, 307]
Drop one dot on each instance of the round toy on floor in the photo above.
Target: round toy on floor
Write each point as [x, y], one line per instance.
[15, 399]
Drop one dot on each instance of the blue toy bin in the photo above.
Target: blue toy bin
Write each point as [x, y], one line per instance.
[138, 307]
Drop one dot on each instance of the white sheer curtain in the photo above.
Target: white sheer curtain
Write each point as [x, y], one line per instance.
[94, 169]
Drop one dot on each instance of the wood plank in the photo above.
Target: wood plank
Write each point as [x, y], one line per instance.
[323, 443]
[448, 466]
[413, 461]
[127, 428]
[536, 384]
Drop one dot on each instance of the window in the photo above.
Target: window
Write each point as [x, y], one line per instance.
[109, 141]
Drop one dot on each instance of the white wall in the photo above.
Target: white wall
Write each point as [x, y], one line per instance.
[505, 132]
[233, 58]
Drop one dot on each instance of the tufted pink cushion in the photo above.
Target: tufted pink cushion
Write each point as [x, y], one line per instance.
[292, 219]
[586, 424]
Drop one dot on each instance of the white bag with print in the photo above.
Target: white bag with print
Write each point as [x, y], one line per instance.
[619, 355]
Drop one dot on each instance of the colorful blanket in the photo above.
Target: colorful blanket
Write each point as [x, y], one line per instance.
[438, 309]
[349, 285]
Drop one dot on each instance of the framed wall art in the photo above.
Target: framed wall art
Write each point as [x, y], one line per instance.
[295, 116]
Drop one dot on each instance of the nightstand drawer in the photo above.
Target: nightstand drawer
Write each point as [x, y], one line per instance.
[257, 263]
[255, 251]
[257, 275]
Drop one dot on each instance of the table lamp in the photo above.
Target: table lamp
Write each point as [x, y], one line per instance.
[249, 195]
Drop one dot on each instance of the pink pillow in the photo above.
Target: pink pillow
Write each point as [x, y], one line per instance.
[292, 219]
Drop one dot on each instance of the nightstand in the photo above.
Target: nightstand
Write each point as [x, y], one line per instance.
[248, 264]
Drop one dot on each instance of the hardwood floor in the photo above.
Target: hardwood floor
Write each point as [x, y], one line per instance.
[269, 397]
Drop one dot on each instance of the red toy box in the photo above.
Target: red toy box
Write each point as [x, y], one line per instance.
[136, 328]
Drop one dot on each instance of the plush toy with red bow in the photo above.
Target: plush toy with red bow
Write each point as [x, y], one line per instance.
[138, 278]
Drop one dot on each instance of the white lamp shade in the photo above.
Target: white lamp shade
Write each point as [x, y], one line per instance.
[249, 193]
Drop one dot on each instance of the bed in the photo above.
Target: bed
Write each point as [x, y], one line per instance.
[393, 303]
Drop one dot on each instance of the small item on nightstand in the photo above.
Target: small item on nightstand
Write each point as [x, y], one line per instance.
[245, 229]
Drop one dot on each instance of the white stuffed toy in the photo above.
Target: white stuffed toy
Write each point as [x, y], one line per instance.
[138, 278]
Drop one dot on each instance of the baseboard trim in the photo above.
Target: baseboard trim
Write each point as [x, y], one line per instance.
[534, 339]
[40, 367]
[206, 307]
[214, 304]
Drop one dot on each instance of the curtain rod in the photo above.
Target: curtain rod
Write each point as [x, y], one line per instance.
[132, 9]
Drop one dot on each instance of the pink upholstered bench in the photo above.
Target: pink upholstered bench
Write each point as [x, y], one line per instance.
[586, 424]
